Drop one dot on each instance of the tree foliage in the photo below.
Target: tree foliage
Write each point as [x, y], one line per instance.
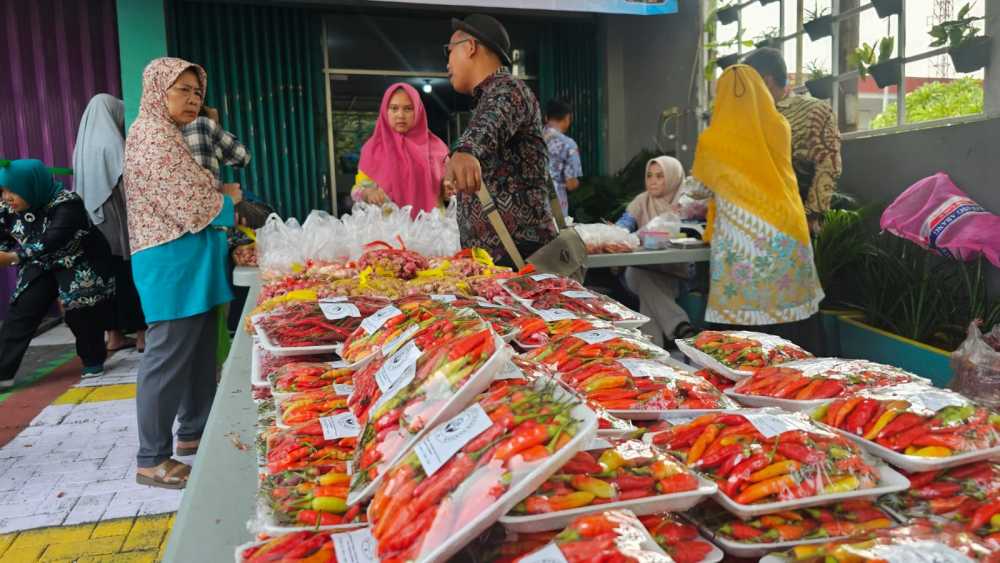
[937, 100]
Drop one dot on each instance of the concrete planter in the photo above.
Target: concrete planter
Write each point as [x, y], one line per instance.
[859, 340]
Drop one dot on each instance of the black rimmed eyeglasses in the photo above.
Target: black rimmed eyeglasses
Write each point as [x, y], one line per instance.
[449, 46]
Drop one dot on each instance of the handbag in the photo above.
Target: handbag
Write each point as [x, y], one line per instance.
[565, 255]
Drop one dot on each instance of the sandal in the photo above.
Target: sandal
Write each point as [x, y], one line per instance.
[128, 343]
[183, 451]
[170, 474]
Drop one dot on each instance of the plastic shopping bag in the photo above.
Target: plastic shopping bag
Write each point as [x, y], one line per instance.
[977, 366]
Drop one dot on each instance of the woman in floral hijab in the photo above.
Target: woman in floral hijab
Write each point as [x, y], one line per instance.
[177, 219]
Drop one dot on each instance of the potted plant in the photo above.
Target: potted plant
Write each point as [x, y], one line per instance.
[820, 23]
[968, 50]
[884, 69]
[727, 14]
[724, 61]
[768, 39]
[820, 83]
[886, 8]
[766, 2]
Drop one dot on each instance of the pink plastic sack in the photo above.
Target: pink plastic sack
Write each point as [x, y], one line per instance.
[937, 215]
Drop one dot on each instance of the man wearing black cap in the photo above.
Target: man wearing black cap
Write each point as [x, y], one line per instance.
[503, 145]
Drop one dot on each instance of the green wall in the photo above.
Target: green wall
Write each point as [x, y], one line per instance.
[142, 37]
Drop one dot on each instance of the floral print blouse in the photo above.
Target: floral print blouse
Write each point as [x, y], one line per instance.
[59, 240]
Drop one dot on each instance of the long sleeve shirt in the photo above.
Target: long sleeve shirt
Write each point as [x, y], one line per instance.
[212, 146]
[815, 150]
[505, 134]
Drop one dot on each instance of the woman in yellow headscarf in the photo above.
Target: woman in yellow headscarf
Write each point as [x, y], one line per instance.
[762, 269]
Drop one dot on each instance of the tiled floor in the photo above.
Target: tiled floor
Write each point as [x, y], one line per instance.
[67, 481]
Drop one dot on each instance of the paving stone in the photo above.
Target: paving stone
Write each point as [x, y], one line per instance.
[89, 509]
[74, 550]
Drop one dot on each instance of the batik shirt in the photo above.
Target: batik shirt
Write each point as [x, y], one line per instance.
[564, 163]
[815, 150]
[505, 134]
[60, 240]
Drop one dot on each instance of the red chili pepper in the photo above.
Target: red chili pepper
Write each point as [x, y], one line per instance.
[741, 473]
[982, 516]
[801, 453]
[918, 480]
[903, 421]
[524, 437]
[628, 482]
[719, 456]
[855, 422]
[582, 463]
[936, 490]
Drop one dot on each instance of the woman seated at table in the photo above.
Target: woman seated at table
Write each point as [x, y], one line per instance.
[762, 273]
[402, 162]
[658, 286]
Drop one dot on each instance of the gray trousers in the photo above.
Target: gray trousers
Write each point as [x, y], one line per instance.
[657, 291]
[176, 379]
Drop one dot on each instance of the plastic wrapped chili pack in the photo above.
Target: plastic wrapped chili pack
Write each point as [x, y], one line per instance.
[609, 471]
[470, 469]
[307, 376]
[570, 352]
[531, 286]
[308, 406]
[968, 494]
[316, 323]
[299, 547]
[269, 363]
[917, 543]
[305, 446]
[917, 421]
[539, 335]
[306, 499]
[613, 536]
[435, 385]
[391, 326]
[737, 353]
[821, 378]
[642, 388]
[585, 303]
[768, 455]
[505, 319]
[388, 261]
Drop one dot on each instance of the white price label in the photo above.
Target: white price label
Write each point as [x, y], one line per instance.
[676, 420]
[379, 318]
[341, 389]
[543, 277]
[548, 554]
[937, 400]
[355, 547]
[577, 294]
[339, 364]
[770, 425]
[443, 298]
[922, 551]
[596, 336]
[397, 367]
[640, 368]
[446, 440]
[336, 299]
[395, 343]
[510, 371]
[599, 444]
[342, 425]
[337, 311]
[488, 304]
[553, 315]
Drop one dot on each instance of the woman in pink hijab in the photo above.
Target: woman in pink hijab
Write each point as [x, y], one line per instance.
[402, 162]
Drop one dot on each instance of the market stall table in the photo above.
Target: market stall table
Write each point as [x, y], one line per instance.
[221, 492]
[649, 257]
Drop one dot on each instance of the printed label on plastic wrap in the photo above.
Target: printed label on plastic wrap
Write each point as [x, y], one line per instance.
[553, 315]
[342, 425]
[358, 546]
[488, 304]
[334, 299]
[379, 318]
[773, 424]
[598, 444]
[936, 400]
[339, 364]
[548, 554]
[337, 311]
[640, 368]
[395, 343]
[923, 551]
[442, 298]
[596, 336]
[577, 294]
[510, 371]
[543, 277]
[676, 420]
[446, 440]
[341, 389]
[399, 366]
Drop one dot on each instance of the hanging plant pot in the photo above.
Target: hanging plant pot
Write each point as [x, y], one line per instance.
[886, 8]
[766, 2]
[727, 61]
[819, 28]
[821, 88]
[972, 55]
[728, 15]
[887, 73]
[772, 42]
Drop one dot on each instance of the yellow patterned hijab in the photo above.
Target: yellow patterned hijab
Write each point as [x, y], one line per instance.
[745, 155]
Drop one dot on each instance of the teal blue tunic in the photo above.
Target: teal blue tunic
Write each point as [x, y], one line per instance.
[186, 276]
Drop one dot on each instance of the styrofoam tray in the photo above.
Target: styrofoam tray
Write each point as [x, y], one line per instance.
[659, 414]
[713, 556]
[475, 385]
[265, 523]
[706, 361]
[257, 379]
[239, 549]
[784, 404]
[915, 464]
[276, 350]
[755, 550]
[677, 502]
[520, 490]
[890, 481]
